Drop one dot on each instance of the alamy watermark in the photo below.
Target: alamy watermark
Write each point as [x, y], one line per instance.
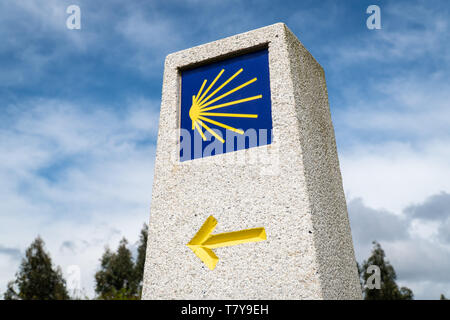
[263, 154]
[374, 280]
[74, 20]
[374, 20]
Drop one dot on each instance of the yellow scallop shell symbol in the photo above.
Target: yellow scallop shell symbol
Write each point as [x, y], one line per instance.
[201, 104]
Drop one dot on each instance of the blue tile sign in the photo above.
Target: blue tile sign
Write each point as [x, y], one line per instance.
[225, 106]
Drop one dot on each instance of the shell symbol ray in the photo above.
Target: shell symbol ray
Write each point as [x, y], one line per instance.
[202, 103]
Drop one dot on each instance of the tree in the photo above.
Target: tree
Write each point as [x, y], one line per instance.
[442, 297]
[361, 276]
[116, 278]
[104, 277]
[140, 261]
[389, 289]
[36, 278]
[11, 293]
[406, 294]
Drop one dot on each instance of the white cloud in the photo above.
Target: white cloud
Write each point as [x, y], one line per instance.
[420, 256]
[393, 133]
[395, 175]
[409, 32]
[393, 141]
[82, 175]
[74, 174]
[375, 224]
[152, 37]
[408, 106]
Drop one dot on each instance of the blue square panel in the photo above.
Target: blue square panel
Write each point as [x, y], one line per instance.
[225, 106]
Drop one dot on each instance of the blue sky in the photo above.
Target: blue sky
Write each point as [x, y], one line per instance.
[80, 110]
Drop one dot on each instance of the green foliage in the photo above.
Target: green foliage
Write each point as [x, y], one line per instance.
[117, 274]
[406, 294]
[389, 289]
[119, 278]
[122, 294]
[37, 279]
[442, 297]
[140, 261]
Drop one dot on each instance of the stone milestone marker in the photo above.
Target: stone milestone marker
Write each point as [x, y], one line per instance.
[247, 198]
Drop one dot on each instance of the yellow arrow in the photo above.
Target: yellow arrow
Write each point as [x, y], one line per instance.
[203, 241]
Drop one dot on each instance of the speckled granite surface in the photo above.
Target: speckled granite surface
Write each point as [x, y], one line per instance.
[294, 191]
